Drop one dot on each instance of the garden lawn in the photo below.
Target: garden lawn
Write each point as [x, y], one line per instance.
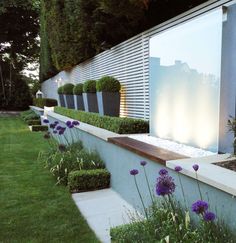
[32, 207]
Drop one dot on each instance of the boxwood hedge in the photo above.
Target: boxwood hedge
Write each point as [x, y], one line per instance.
[121, 125]
[88, 180]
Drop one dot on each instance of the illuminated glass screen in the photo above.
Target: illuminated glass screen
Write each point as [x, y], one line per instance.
[185, 64]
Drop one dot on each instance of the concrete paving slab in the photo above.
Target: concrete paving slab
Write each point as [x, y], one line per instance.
[104, 209]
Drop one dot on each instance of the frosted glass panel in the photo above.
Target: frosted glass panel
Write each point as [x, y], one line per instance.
[185, 66]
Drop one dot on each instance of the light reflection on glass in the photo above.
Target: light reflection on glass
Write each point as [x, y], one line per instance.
[185, 66]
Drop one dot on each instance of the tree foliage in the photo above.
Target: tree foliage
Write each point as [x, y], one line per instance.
[19, 46]
[75, 30]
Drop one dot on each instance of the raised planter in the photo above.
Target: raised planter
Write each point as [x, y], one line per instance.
[62, 100]
[79, 102]
[122, 155]
[108, 103]
[69, 96]
[90, 102]
[78, 91]
[89, 96]
[108, 96]
[70, 101]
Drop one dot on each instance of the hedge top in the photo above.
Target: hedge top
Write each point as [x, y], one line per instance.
[78, 89]
[60, 90]
[68, 89]
[89, 86]
[108, 84]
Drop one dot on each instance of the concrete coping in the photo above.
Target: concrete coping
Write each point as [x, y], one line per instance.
[95, 131]
[216, 176]
[36, 108]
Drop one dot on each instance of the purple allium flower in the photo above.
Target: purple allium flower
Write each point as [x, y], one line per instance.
[71, 126]
[178, 168]
[56, 122]
[196, 167]
[165, 185]
[143, 163]
[75, 123]
[163, 172]
[58, 127]
[133, 172]
[52, 125]
[54, 131]
[45, 120]
[46, 136]
[68, 123]
[199, 207]
[62, 147]
[61, 132]
[209, 216]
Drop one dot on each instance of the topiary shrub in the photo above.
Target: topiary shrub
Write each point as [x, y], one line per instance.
[88, 180]
[89, 86]
[41, 102]
[78, 89]
[108, 84]
[68, 89]
[34, 122]
[60, 90]
[39, 128]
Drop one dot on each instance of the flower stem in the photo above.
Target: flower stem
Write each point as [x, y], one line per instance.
[182, 189]
[140, 197]
[149, 189]
[198, 186]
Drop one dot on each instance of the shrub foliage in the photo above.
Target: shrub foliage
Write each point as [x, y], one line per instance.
[89, 86]
[68, 89]
[121, 125]
[87, 180]
[108, 84]
[41, 102]
[78, 89]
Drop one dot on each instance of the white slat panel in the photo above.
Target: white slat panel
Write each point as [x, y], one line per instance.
[129, 63]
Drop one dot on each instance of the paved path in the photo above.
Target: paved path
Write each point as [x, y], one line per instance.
[103, 209]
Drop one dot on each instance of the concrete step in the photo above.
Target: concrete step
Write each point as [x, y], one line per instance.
[104, 209]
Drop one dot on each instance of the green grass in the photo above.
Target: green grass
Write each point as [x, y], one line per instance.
[32, 207]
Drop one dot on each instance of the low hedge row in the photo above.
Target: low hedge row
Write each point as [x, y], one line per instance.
[88, 180]
[34, 122]
[41, 102]
[29, 115]
[39, 128]
[115, 124]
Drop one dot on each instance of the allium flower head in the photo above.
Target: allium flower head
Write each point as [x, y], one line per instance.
[196, 167]
[165, 185]
[199, 207]
[52, 125]
[71, 126]
[55, 131]
[56, 122]
[163, 172]
[68, 123]
[46, 136]
[133, 172]
[58, 127]
[61, 132]
[75, 123]
[45, 120]
[143, 163]
[209, 216]
[178, 168]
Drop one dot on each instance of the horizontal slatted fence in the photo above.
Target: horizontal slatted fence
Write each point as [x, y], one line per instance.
[129, 63]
